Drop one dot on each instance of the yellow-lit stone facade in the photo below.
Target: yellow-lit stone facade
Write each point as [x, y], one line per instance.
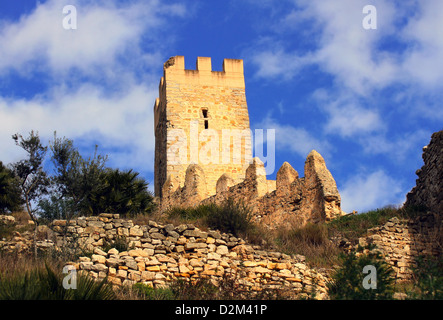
[201, 117]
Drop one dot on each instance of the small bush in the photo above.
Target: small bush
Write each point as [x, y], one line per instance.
[202, 289]
[200, 212]
[231, 217]
[147, 292]
[428, 275]
[45, 283]
[120, 243]
[347, 282]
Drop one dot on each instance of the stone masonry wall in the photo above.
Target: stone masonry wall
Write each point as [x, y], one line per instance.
[203, 150]
[428, 191]
[289, 199]
[160, 254]
[401, 241]
[201, 117]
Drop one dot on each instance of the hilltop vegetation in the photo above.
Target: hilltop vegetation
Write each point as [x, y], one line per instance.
[76, 186]
[73, 185]
[312, 241]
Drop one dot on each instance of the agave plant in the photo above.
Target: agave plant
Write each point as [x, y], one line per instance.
[47, 284]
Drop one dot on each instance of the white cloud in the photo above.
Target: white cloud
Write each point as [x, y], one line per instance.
[398, 147]
[343, 47]
[278, 63]
[118, 122]
[369, 191]
[293, 139]
[346, 117]
[347, 50]
[105, 31]
[355, 57]
[99, 87]
[424, 59]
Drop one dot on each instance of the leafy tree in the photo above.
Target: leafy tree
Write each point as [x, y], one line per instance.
[76, 178]
[121, 192]
[10, 194]
[33, 180]
[54, 207]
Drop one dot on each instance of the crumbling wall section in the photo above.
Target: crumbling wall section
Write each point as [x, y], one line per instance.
[287, 200]
[401, 241]
[428, 191]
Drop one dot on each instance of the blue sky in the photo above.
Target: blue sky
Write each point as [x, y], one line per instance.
[367, 100]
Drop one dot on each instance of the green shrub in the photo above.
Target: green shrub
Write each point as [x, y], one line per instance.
[312, 234]
[202, 289]
[347, 281]
[46, 284]
[428, 278]
[121, 243]
[10, 194]
[200, 212]
[229, 216]
[226, 288]
[232, 217]
[149, 293]
[311, 241]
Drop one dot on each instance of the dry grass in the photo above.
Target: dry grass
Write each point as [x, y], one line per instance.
[15, 264]
[311, 241]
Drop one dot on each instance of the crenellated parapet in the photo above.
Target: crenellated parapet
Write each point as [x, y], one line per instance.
[231, 75]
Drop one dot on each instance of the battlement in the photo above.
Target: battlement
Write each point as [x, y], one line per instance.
[205, 64]
[231, 76]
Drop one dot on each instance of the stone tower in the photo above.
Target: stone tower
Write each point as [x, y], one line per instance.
[201, 118]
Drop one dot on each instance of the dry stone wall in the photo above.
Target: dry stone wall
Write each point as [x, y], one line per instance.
[159, 254]
[402, 241]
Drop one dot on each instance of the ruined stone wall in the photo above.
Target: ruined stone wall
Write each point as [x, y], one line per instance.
[203, 150]
[201, 117]
[287, 200]
[428, 191]
[159, 254]
[402, 241]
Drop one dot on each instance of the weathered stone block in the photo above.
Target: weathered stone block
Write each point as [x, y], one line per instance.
[195, 245]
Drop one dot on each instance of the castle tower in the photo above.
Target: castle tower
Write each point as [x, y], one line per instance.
[201, 117]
